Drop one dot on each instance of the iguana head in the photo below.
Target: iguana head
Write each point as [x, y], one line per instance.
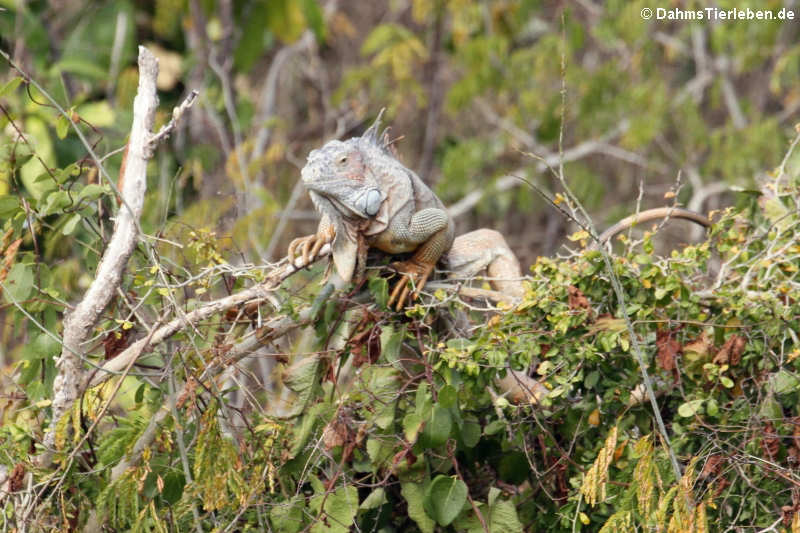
[342, 179]
[342, 175]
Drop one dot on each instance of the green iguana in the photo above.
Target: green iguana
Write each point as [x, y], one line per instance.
[368, 199]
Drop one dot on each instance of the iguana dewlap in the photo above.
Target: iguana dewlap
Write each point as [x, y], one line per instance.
[368, 199]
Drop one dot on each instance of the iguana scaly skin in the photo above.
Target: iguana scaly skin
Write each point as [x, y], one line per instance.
[368, 199]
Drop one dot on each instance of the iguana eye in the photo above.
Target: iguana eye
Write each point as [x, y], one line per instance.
[343, 160]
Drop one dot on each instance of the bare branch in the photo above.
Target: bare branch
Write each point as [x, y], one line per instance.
[78, 325]
[255, 293]
[167, 129]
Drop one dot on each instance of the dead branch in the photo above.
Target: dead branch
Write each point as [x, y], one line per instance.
[253, 294]
[78, 324]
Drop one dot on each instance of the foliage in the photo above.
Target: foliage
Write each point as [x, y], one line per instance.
[357, 415]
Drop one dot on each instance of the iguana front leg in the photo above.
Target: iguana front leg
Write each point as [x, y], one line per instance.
[310, 245]
[430, 232]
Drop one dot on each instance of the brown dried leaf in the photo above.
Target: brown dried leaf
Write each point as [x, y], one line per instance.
[188, 392]
[16, 481]
[338, 433]
[668, 349]
[576, 299]
[770, 443]
[115, 342]
[712, 466]
[8, 256]
[731, 351]
[701, 346]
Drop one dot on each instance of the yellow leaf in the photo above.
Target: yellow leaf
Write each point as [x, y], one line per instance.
[579, 236]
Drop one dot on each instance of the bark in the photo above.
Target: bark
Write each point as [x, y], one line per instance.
[79, 324]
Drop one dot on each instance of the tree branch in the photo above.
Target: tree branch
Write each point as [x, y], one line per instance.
[78, 324]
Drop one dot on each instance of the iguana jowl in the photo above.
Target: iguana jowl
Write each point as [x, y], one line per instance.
[369, 199]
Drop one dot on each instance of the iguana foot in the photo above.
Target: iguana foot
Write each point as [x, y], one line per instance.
[413, 271]
[310, 245]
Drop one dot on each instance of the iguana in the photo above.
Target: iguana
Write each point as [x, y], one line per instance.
[368, 199]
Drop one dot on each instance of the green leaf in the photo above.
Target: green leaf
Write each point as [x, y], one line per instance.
[690, 408]
[784, 382]
[412, 423]
[494, 427]
[302, 375]
[98, 114]
[71, 224]
[413, 493]
[375, 499]
[448, 397]
[379, 289]
[712, 408]
[18, 283]
[383, 385]
[139, 396]
[81, 67]
[9, 205]
[438, 427]
[503, 517]
[55, 202]
[254, 26]
[380, 451]
[445, 498]
[10, 86]
[470, 434]
[64, 174]
[770, 409]
[340, 509]
[174, 482]
[302, 433]
[391, 342]
[62, 126]
[287, 517]
[93, 191]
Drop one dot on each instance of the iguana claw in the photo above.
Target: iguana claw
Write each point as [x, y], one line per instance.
[310, 245]
[413, 271]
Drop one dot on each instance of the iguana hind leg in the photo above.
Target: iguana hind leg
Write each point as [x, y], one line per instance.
[486, 250]
[415, 275]
[434, 230]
